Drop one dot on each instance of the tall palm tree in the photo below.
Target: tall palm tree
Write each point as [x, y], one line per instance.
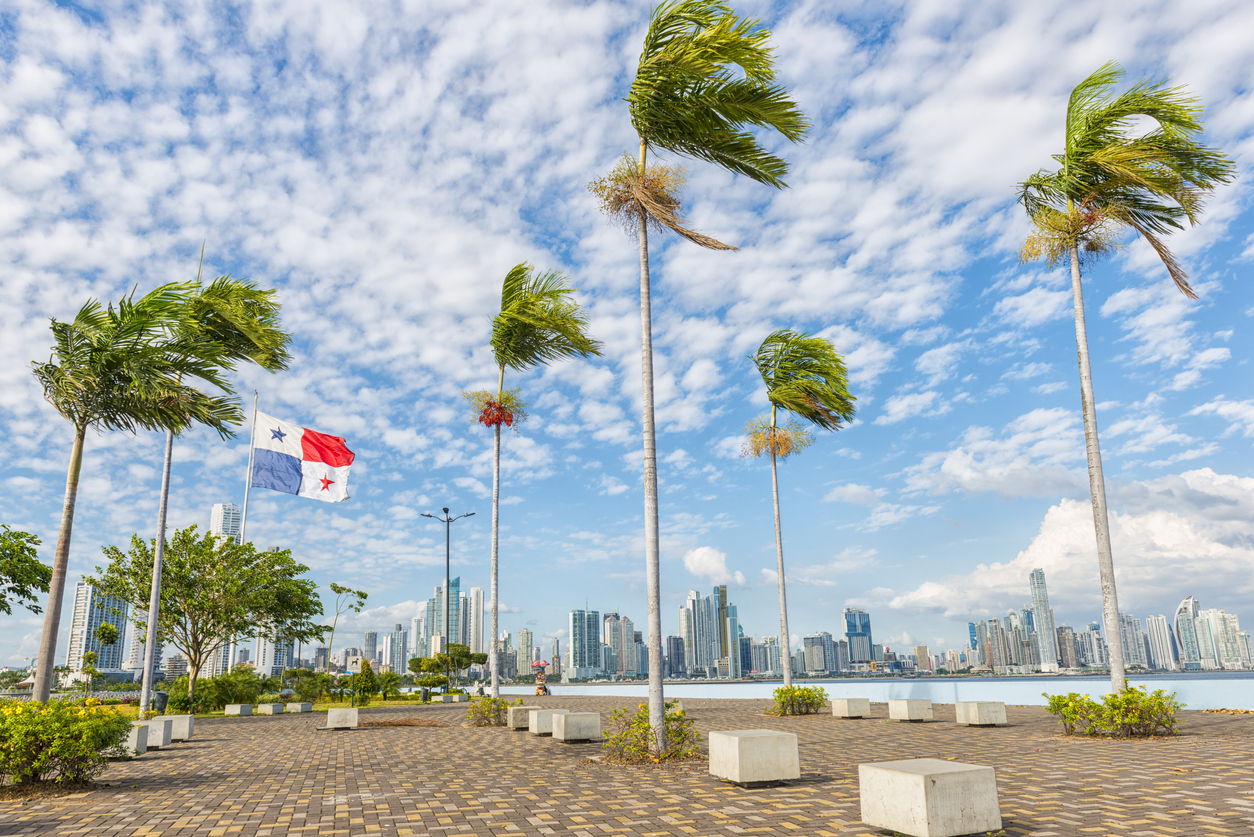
[705, 78]
[117, 369]
[1112, 179]
[236, 321]
[539, 322]
[804, 376]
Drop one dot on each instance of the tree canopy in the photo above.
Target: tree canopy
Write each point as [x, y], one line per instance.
[22, 575]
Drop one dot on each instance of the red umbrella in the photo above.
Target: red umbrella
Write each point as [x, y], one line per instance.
[540, 663]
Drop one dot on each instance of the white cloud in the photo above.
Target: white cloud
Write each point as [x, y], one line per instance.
[1240, 414]
[1036, 307]
[854, 493]
[901, 407]
[941, 363]
[711, 564]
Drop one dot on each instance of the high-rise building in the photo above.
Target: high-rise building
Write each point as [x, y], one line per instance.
[320, 658]
[225, 520]
[474, 601]
[1131, 637]
[526, 642]
[675, 657]
[858, 634]
[91, 610]
[135, 655]
[435, 613]
[922, 659]
[1187, 646]
[585, 644]
[620, 635]
[396, 649]
[175, 667]
[370, 646]
[1162, 643]
[1066, 647]
[274, 656]
[1043, 622]
[746, 656]
[815, 658]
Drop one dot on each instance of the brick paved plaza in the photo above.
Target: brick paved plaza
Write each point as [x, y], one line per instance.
[278, 775]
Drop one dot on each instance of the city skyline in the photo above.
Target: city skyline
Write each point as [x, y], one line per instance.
[387, 228]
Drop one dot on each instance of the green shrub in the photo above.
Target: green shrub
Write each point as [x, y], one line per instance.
[111, 702]
[489, 711]
[61, 740]
[631, 740]
[798, 700]
[1135, 712]
[270, 697]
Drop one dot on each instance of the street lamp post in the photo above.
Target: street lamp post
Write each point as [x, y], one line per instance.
[448, 525]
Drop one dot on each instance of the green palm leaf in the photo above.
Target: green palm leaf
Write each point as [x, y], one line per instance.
[805, 376]
[539, 321]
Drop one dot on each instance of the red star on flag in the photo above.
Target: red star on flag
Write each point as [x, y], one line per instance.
[326, 483]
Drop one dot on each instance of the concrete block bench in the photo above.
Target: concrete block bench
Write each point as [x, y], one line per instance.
[239, 709]
[540, 721]
[269, 709]
[929, 797]
[516, 717]
[181, 726]
[750, 756]
[460, 698]
[159, 733]
[980, 713]
[576, 726]
[298, 707]
[341, 719]
[137, 738]
[910, 710]
[851, 708]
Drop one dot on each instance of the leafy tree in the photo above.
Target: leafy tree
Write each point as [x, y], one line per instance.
[115, 369]
[22, 575]
[429, 669]
[311, 685]
[1116, 176]
[389, 684]
[107, 634]
[805, 376]
[89, 671]
[232, 321]
[214, 590]
[346, 600]
[539, 322]
[705, 78]
[365, 682]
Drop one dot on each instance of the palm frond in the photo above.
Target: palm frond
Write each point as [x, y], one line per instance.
[539, 321]
[806, 376]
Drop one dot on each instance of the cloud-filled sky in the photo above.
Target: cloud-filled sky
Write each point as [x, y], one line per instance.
[384, 165]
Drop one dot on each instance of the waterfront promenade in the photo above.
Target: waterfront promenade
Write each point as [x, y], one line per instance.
[280, 776]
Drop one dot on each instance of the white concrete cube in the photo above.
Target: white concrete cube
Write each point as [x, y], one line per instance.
[269, 709]
[929, 797]
[342, 719]
[159, 733]
[540, 721]
[137, 738]
[851, 708]
[576, 726]
[181, 726]
[516, 717]
[980, 713]
[910, 710]
[299, 707]
[460, 698]
[746, 756]
[239, 709]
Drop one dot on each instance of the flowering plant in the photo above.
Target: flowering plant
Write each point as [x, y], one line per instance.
[66, 741]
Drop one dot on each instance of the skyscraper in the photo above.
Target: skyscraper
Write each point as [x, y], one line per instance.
[135, 656]
[91, 610]
[224, 521]
[474, 600]
[585, 643]
[526, 645]
[1043, 622]
[274, 656]
[435, 613]
[858, 633]
[1187, 645]
[675, 656]
[1162, 643]
[370, 645]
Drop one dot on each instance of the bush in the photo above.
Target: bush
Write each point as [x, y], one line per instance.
[798, 700]
[270, 697]
[631, 740]
[111, 702]
[1133, 713]
[489, 711]
[61, 740]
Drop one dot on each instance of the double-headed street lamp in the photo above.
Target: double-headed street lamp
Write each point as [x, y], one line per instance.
[448, 524]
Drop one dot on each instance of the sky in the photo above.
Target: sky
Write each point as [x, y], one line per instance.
[384, 165]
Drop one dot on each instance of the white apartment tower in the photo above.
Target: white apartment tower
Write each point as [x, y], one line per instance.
[224, 521]
[1043, 622]
[91, 610]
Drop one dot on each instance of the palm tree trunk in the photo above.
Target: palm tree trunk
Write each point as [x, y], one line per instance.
[1097, 488]
[493, 660]
[657, 705]
[42, 689]
[154, 599]
[785, 650]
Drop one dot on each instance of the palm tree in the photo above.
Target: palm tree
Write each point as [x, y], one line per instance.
[238, 322]
[805, 376]
[539, 322]
[1112, 180]
[705, 77]
[117, 369]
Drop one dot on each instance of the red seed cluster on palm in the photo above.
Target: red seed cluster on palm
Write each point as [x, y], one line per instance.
[494, 414]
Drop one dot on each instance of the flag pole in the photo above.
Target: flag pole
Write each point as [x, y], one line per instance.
[243, 519]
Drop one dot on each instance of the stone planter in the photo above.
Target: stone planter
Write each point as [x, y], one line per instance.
[239, 709]
[750, 756]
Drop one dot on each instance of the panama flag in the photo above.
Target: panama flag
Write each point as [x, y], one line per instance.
[295, 460]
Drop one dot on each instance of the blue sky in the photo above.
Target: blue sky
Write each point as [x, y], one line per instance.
[384, 167]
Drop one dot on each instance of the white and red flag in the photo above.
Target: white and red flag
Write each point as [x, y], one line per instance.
[296, 460]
